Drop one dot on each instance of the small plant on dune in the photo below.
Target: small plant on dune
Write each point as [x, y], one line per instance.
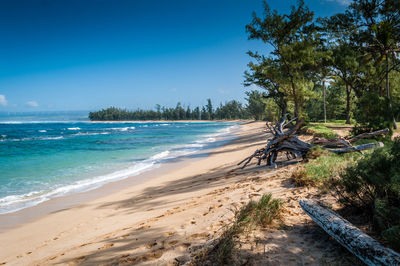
[268, 210]
[316, 152]
[263, 212]
[301, 178]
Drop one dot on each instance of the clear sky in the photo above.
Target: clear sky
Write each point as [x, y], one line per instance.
[91, 54]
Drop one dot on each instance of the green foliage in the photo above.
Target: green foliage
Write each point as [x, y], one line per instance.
[373, 113]
[322, 166]
[261, 213]
[320, 130]
[335, 103]
[357, 51]
[231, 110]
[256, 104]
[373, 185]
[296, 55]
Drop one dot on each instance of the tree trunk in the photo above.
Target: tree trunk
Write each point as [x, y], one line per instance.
[296, 104]
[367, 249]
[357, 148]
[388, 91]
[323, 86]
[347, 104]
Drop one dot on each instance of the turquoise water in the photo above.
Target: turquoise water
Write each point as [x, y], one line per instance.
[43, 156]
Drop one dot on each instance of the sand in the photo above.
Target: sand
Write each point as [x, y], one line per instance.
[164, 220]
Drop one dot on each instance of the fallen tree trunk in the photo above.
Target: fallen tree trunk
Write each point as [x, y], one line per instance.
[369, 135]
[360, 244]
[357, 148]
[347, 142]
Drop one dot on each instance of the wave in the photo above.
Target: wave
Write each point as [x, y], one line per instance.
[43, 122]
[14, 203]
[42, 131]
[74, 128]
[90, 133]
[122, 128]
[161, 155]
[29, 139]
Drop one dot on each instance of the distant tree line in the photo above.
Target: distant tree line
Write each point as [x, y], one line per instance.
[231, 110]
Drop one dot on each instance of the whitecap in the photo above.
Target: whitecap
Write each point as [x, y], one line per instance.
[122, 128]
[90, 133]
[160, 155]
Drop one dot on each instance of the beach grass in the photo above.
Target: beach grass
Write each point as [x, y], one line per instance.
[262, 213]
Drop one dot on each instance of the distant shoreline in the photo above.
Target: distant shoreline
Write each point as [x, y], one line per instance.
[171, 121]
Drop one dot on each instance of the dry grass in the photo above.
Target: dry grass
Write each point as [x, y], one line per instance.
[266, 212]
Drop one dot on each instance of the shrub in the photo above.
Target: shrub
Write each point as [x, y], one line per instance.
[373, 184]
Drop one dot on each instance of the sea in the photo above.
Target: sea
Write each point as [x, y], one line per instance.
[44, 155]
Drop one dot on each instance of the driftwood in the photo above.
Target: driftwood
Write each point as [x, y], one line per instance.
[281, 142]
[347, 142]
[293, 147]
[357, 148]
[363, 246]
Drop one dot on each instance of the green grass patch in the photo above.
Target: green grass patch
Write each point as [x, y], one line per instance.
[336, 123]
[322, 166]
[320, 130]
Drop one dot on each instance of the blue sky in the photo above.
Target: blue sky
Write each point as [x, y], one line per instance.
[91, 54]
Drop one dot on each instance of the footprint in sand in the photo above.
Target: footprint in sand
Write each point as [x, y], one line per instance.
[79, 260]
[184, 246]
[144, 227]
[151, 244]
[200, 235]
[171, 243]
[108, 245]
[168, 234]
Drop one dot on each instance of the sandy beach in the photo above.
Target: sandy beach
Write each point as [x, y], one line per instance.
[172, 213]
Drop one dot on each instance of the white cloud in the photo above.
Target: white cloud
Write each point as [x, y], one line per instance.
[3, 100]
[341, 2]
[173, 89]
[221, 91]
[32, 104]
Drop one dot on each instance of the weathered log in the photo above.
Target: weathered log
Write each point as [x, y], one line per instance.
[360, 244]
[331, 143]
[358, 148]
[346, 142]
[368, 135]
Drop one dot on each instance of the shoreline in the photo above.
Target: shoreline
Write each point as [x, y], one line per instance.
[28, 214]
[169, 218]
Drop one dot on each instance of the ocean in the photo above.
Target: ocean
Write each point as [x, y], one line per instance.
[47, 155]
